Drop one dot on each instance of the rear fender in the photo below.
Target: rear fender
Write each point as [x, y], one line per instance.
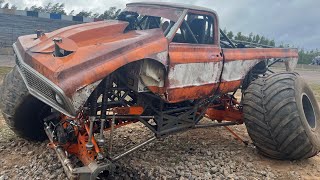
[239, 62]
[290, 63]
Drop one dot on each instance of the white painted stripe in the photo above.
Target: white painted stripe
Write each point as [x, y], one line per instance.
[44, 15]
[21, 13]
[66, 18]
[194, 74]
[86, 19]
[41, 15]
[237, 70]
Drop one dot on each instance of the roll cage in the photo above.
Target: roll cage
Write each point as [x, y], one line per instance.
[142, 17]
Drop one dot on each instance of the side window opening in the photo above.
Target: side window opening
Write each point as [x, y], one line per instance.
[151, 22]
[196, 29]
[145, 22]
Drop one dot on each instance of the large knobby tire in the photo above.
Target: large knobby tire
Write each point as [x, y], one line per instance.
[282, 117]
[22, 112]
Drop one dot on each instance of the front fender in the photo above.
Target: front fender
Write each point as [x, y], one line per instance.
[78, 74]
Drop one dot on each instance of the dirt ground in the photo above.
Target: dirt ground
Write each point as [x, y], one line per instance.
[196, 154]
[7, 61]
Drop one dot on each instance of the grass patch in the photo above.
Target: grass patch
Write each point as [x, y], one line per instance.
[316, 90]
[3, 72]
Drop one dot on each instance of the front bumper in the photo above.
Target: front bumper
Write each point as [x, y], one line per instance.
[42, 88]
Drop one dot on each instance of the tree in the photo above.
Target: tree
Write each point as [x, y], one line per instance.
[225, 30]
[57, 8]
[281, 45]
[230, 35]
[88, 14]
[71, 13]
[111, 13]
[47, 8]
[6, 6]
[95, 15]
[272, 43]
[250, 38]
[257, 39]
[262, 40]
[267, 42]
[239, 36]
[14, 7]
[84, 13]
[34, 8]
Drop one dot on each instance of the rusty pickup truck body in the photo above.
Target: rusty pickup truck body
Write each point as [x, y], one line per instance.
[162, 64]
[174, 67]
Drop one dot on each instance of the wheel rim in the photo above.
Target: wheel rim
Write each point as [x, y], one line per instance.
[308, 111]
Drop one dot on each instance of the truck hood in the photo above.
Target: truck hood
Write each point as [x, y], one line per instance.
[96, 49]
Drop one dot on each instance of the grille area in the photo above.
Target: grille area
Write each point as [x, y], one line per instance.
[43, 89]
[36, 84]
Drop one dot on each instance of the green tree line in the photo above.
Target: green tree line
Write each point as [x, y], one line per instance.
[254, 38]
[6, 5]
[59, 8]
[305, 56]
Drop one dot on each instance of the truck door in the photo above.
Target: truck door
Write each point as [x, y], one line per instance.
[195, 58]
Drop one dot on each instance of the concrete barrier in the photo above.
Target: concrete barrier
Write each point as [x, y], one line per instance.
[15, 23]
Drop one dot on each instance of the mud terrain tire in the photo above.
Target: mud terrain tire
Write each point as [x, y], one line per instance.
[282, 117]
[22, 112]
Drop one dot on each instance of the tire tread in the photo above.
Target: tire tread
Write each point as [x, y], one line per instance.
[269, 97]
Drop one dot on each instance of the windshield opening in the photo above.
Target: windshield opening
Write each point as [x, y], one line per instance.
[144, 18]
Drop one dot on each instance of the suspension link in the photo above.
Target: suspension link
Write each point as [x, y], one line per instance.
[92, 117]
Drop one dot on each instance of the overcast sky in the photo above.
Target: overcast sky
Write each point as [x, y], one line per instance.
[294, 22]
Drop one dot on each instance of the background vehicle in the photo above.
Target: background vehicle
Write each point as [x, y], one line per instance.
[165, 65]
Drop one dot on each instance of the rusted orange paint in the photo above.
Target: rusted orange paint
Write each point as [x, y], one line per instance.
[157, 90]
[193, 53]
[258, 53]
[223, 115]
[196, 92]
[79, 149]
[229, 86]
[102, 48]
[230, 112]
[133, 110]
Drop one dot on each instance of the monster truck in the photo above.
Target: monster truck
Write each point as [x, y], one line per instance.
[162, 64]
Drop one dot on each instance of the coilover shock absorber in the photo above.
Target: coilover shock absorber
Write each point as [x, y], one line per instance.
[101, 141]
[92, 116]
